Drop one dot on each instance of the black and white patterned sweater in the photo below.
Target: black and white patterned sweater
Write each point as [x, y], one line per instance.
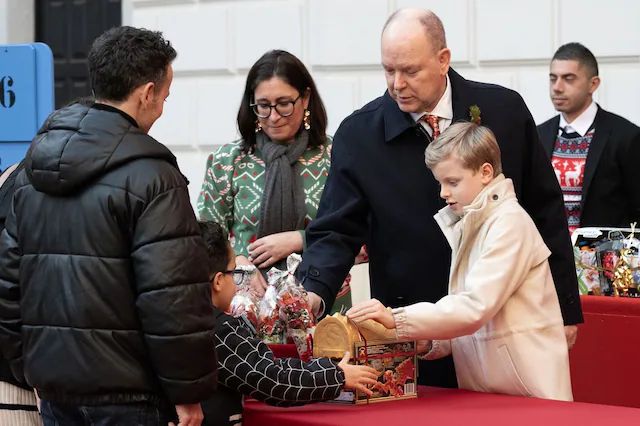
[246, 367]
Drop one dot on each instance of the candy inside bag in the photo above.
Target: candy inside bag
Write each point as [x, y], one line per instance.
[245, 301]
[270, 325]
[292, 299]
[295, 311]
[295, 308]
[618, 261]
[303, 339]
[587, 270]
[284, 313]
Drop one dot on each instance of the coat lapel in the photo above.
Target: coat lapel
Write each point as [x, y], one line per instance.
[596, 148]
[396, 122]
[549, 134]
[459, 97]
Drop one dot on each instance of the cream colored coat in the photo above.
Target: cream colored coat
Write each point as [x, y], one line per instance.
[501, 319]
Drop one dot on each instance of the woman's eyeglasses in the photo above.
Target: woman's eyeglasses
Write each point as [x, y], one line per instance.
[283, 108]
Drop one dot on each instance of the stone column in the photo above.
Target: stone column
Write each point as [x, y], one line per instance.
[17, 21]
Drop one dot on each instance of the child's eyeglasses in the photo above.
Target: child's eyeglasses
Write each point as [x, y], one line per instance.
[238, 275]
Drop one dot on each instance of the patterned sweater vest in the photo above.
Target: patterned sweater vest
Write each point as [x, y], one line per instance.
[568, 159]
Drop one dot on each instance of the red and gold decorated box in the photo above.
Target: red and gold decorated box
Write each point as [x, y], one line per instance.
[369, 344]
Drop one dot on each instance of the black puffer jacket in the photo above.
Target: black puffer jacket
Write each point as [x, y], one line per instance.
[6, 194]
[113, 302]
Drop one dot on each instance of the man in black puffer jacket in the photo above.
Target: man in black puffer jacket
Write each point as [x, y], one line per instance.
[17, 400]
[104, 292]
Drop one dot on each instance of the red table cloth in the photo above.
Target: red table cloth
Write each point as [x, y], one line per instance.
[436, 406]
[604, 360]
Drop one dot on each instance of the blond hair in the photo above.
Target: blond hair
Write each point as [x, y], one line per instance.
[474, 145]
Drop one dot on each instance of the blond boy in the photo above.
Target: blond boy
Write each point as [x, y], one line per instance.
[501, 320]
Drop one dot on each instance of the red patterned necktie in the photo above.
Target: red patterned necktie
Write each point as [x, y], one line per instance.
[432, 121]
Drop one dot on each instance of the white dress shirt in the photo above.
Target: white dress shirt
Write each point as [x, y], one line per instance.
[582, 123]
[443, 109]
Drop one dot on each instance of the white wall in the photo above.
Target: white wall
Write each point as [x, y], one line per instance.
[17, 21]
[501, 41]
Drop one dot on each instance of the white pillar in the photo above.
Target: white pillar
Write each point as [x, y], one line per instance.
[17, 21]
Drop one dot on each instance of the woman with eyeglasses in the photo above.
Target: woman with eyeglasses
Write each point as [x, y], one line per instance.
[266, 187]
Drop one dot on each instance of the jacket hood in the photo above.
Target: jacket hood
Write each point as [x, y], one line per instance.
[80, 143]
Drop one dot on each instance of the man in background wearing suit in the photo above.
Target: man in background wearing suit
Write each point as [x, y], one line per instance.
[594, 153]
[380, 190]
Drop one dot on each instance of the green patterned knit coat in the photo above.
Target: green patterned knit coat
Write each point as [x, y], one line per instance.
[232, 192]
[234, 182]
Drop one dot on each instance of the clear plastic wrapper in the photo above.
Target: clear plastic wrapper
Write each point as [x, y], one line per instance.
[283, 314]
[295, 309]
[270, 325]
[607, 261]
[245, 301]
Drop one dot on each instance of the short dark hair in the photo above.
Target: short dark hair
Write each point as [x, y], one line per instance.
[124, 58]
[577, 52]
[217, 243]
[284, 65]
[82, 100]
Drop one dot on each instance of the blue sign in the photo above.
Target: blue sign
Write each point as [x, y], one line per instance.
[26, 97]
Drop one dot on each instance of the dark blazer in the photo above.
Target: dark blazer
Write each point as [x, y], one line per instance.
[610, 194]
[379, 189]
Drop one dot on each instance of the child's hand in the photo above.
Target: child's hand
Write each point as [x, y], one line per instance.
[189, 414]
[372, 309]
[358, 376]
[423, 346]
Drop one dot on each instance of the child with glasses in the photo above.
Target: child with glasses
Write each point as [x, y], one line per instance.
[246, 364]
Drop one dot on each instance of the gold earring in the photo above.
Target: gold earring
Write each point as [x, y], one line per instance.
[258, 126]
[307, 120]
